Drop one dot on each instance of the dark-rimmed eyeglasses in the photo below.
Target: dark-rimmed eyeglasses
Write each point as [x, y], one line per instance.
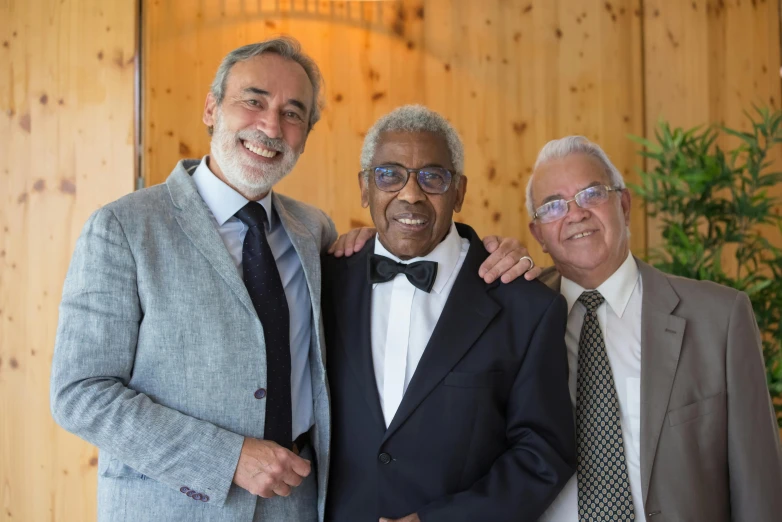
[393, 178]
[590, 197]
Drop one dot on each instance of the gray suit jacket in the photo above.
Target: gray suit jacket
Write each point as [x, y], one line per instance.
[159, 351]
[710, 448]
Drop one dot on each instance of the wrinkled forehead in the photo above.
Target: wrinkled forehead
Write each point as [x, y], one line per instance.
[412, 149]
[273, 74]
[565, 177]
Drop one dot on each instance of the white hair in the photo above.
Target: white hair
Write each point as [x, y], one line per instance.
[414, 118]
[284, 46]
[569, 145]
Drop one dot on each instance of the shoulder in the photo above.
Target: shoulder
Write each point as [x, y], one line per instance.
[300, 210]
[527, 294]
[697, 298]
[136, 207]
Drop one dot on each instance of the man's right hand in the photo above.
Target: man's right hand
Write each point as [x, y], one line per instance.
[267, 469]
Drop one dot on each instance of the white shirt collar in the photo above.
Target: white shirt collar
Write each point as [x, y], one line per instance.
[446, 255]
[616, 290]
[222, 200]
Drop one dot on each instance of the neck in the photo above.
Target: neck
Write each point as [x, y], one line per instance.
[591, 279]
[249, 194]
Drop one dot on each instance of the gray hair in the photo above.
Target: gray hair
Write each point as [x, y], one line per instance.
[285, 46]
[414, 118]
[563, 147]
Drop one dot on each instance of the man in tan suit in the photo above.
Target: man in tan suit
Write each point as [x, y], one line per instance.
[673, 418]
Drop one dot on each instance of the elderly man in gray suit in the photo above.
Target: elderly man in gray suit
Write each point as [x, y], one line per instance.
[673, 418]
[190, 344]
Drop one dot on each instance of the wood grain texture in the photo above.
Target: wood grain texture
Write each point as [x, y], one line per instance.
[709, 62]
[509, 74]
[66, 147]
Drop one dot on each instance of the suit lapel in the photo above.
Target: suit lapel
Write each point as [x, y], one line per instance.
[355, 323]
[661, 342]
[467, 313]
[308, 249]
[198, 225]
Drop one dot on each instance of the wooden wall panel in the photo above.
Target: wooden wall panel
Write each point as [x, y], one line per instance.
[66, 147]
[709, 62]
[509, 74]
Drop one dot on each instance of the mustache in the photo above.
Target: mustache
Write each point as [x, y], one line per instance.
[260, 137]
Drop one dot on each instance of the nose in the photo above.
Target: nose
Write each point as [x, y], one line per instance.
[269, 123]
[576, 213]
[411, 192]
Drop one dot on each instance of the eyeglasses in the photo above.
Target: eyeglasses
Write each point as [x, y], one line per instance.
[590, 197]
[393, 178]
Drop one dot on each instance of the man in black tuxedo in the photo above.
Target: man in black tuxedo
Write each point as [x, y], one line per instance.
[449, 395]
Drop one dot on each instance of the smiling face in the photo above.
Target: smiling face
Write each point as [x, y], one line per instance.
[261, 125]
[411, 223]
[587, 245]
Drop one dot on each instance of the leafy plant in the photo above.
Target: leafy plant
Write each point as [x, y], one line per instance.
[717, 213]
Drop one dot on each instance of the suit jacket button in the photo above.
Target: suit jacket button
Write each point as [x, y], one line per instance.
[384, 458]
[204, 498]
[260, 393]
[197, 496]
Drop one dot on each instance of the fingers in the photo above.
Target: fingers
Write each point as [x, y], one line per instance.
[350, 243]
[506, 266]
[505, 256]
[300, 466]
[267, 469]
[338, 248]
[490, 243]
[364, 235]
[529, 275]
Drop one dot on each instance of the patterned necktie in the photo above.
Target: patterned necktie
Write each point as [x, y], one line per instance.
[603, 487]
[264, 285]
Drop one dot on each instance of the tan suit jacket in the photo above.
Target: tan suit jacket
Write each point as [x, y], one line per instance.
[710, 448]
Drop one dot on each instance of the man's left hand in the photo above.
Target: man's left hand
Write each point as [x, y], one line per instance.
[508, 260]
[408, 518]
[352, 242]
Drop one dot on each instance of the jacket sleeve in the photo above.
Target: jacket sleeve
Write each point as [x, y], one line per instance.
[93, 360]
[328, 234]
[754, 454]
[541, 454]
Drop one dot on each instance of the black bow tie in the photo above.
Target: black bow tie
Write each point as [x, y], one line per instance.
[421, 274]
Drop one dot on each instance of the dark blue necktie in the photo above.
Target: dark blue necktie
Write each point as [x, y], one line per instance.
[264, 285]
[421, 274]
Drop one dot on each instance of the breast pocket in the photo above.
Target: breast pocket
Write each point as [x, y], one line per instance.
[472, 380]
[695, 410]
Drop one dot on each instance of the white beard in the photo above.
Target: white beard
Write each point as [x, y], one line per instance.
[251, 179]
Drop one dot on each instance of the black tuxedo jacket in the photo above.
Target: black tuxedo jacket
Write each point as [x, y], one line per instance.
[485, 429]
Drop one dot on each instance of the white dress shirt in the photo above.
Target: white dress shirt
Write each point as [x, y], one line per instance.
[223, 202]
[412, 314]
[620, 321]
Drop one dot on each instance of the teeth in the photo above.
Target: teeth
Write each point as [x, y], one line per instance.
[260, 151]
[582, 234]
[412, 221]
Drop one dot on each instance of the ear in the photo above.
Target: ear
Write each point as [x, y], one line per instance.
[461, 191]
[363, 183]
[210, 108]
[533, 227]
[626, 205]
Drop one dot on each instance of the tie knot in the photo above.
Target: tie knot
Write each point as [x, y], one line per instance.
[591, 299]
[252, 214]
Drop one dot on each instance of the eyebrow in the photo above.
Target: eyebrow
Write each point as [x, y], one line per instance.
[428, 165]
[555, 197]
[261, 92]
